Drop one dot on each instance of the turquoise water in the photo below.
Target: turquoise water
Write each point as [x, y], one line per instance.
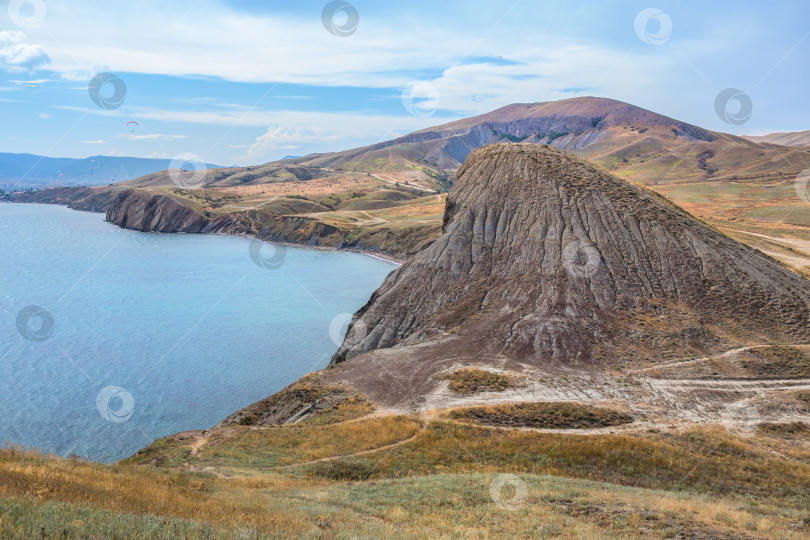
[111, 338]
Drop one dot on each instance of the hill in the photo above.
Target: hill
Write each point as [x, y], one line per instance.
[632, 142]
[29, 171]
[790, 138]
[550, 260]
[575, 356]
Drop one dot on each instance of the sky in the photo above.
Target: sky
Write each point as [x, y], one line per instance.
[242, 82]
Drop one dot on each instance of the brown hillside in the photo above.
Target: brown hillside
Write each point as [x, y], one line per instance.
[547, 259]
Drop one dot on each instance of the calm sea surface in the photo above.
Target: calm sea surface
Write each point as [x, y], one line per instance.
[112, 338]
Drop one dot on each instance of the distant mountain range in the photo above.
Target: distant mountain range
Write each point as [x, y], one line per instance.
[31, 171]
[629, 141]
[789, 138]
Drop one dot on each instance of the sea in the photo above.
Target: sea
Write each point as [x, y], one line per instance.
[111, 338]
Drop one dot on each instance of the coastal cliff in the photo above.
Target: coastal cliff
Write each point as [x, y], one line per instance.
[86, 199]
[147, 211]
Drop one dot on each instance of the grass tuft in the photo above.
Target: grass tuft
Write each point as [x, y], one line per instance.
[786, 429]
[557, 415]
[778, 363]
[471, 380]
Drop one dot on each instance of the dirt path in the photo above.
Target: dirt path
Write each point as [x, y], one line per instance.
[740, 385]
[802, 246]
[355, 454]
[373, 220]
[200, 442]
[678, 363]
[410, 183]
[392, 182]
[426, 419]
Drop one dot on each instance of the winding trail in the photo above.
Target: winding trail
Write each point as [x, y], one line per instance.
[408, 183]
[355, 454]
[426, 418]
[678, 363]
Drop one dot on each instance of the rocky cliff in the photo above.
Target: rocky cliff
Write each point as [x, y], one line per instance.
[150, 211]
[145, 211]
[548, 259]
[88, 199]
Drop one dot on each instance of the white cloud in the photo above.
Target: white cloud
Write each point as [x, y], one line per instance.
[158, 155]
[12, 36]
[306, 122]
[277, 137]
[93, 142]
[44, 116]
[154, 137]
[216, 40]
[23, 57]
[34, 81]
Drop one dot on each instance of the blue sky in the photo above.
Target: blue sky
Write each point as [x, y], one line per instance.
[245, 82]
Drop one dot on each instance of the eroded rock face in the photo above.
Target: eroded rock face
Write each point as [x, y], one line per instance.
[144, 211]
[546, 258]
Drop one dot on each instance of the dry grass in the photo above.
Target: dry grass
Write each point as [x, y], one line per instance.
[556, 415]
[350, 408]
[441, 506]
[786, 429]
[240, 449]
[129, 490]
[778, 363]
[707, 461]
[425, 487]
[321, 403]
[471, 380]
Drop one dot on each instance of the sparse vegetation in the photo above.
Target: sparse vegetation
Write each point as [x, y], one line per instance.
[447, 470]
[447, 465]
[784, 429]
[554, 415]
[512, 138]
[470, 381]
[307, 401]
[778, 363]
[554, 135]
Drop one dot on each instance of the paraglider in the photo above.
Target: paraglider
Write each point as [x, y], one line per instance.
[133, 123]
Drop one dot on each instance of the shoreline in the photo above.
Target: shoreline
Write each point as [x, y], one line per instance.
[390, 260]
[375, 255]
